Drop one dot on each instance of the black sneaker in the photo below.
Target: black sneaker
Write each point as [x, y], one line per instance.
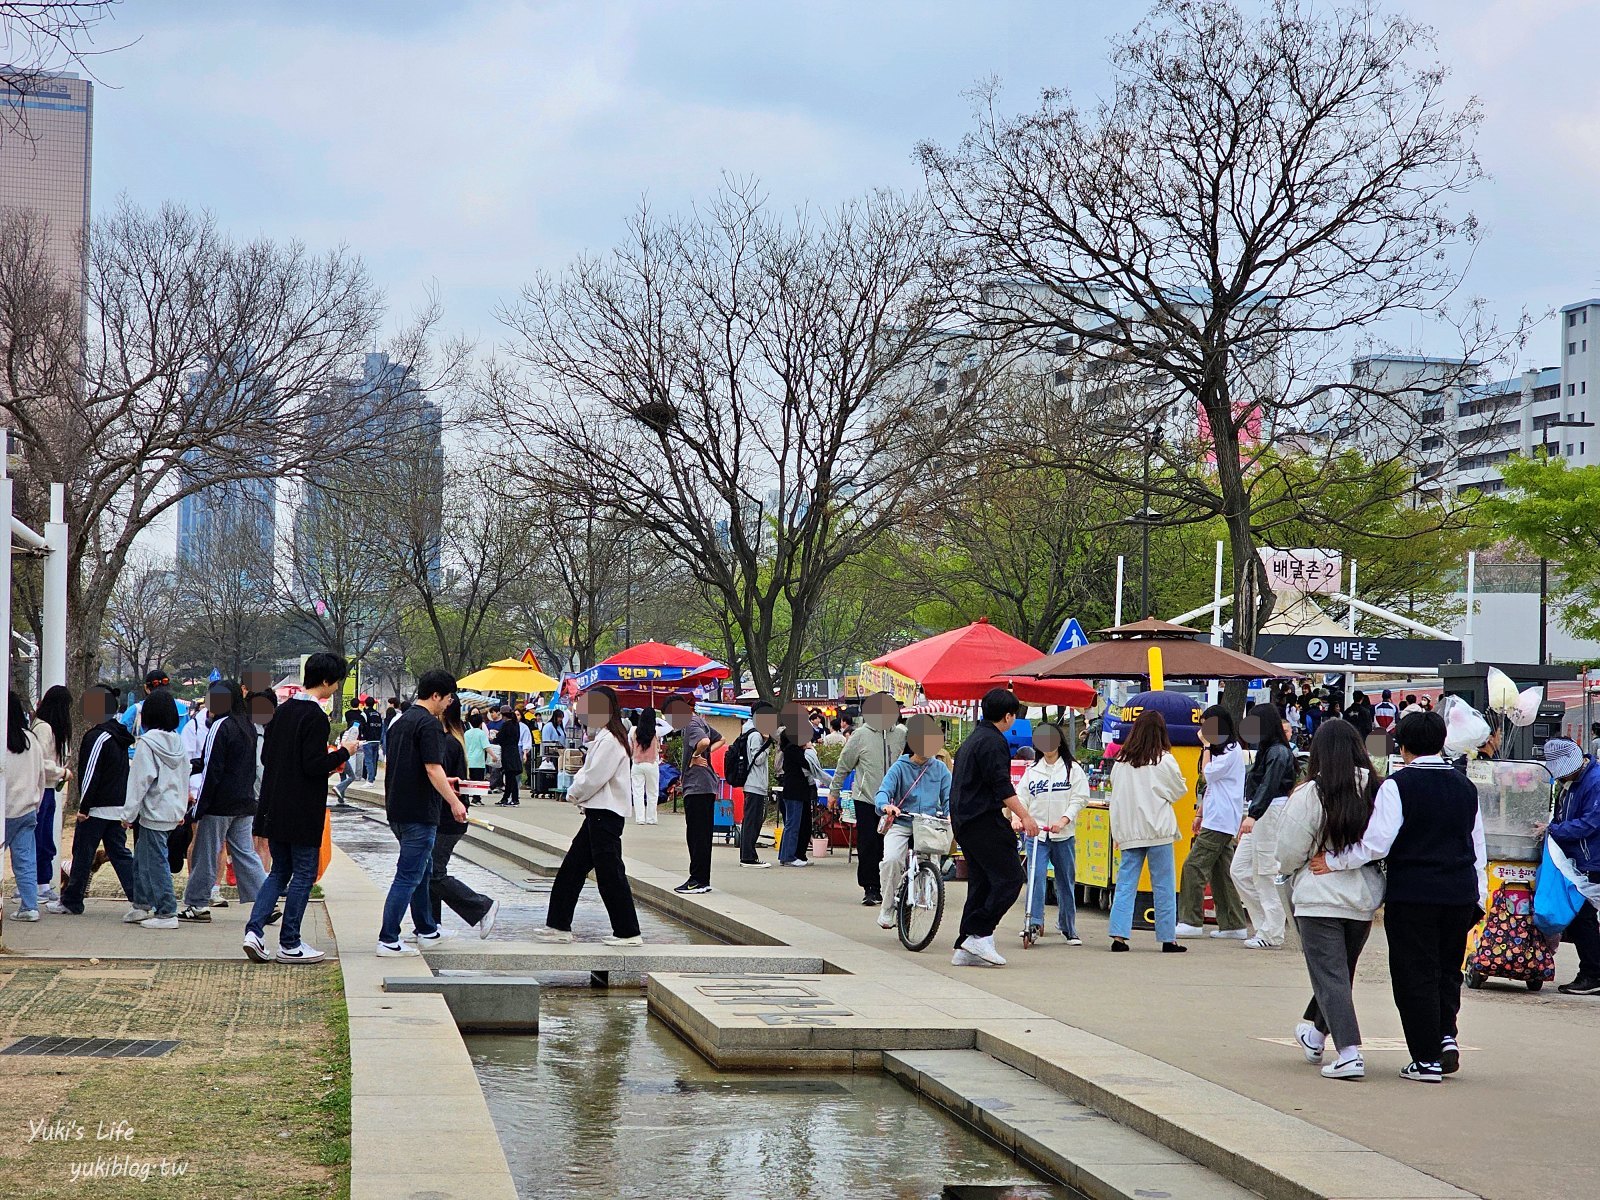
[1449, 1057]
[1583, 985]
[1422, 1072]
[686, 887]
[872, 899]
[698, 889]
[194, 914]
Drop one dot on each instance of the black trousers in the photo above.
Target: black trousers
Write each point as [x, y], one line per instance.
[90, 834]
[994, 873]
[1427, 943]
[699, 811]
[1584, 933]
[597, 847]
[509, 781]
[869, 847]
[475, 773]
[755, 816]
[444, 888]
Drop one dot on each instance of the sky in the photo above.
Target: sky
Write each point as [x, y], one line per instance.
[470, 146]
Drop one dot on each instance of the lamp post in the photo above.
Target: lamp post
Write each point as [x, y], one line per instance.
[1544, 563]
[1149, 437]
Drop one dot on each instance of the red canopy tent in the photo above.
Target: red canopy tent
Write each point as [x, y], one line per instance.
[651, 669]
[965, 663]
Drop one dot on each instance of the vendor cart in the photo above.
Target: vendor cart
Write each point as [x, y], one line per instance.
[1512, 797]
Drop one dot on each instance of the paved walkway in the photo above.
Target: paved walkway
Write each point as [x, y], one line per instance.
[1502, 1128]
[100, 933]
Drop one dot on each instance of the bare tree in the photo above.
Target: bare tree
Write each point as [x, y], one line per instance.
[332, 587]
[146, 617]
[38, 38]
[743, 388]
[225, 582]
[1258, 203]
[202, 361]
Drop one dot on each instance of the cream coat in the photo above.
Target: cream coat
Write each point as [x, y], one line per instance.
[1142, 800]
[605, 781]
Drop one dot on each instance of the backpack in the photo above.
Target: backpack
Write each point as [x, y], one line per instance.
[736, 762]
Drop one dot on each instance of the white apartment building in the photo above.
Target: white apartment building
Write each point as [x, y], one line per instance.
[1468, 430]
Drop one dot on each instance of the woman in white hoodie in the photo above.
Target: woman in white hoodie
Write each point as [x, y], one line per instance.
[158, 797]
[1333, 911]
[1146, 782]
[1055, 789]
[603, 789]
[24, 787]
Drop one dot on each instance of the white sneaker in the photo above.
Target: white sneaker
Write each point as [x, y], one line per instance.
[55, 906]
[49, 893]
[433, 939]
[1312, 1042]
[984, 948]
[487, 922]
[963, 959]
[254, 949]
[1074, 941]
[759, 866]
[137, 915]
[160, 922]
[303, 953]
[555, 937]
[1190, 931]
[397, 950]
[612, 939]
[1349, 1066]
[798, 862]
[885, 921]
[25, 914]
[1260, 943]
[1232, 935]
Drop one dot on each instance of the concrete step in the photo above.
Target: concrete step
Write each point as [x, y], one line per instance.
[525, 957]
[1063, 1139]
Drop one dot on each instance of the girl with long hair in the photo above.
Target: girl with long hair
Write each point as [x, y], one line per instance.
[646, 783]
[1216, 824]
[603, 789]
[1266, 791]
[1333, 911]
[24, 789]
[473, 907]
[799, 775]
[1146, 782]
[52, 726]
[225, 808]
[1055, 789]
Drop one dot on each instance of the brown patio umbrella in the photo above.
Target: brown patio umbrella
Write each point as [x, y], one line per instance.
[1124, 655]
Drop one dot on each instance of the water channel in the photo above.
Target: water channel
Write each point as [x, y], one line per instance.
[606, 1103]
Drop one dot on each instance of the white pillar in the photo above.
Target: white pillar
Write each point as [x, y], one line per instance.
[1117, 618]
[1468, 650]
[1350, 676]
[1214, 688]
[53, 650]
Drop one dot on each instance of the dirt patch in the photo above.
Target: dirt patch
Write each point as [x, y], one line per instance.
[254, 1102]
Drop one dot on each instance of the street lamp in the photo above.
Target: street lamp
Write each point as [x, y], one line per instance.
[1544, 563]
[1149, 438]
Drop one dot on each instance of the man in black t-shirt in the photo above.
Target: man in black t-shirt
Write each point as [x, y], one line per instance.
[414, 786]
[980, 793]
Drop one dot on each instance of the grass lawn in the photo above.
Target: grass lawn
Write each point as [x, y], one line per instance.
[254, 1103]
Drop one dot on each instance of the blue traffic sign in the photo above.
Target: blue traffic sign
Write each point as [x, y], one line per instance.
[1071, 637]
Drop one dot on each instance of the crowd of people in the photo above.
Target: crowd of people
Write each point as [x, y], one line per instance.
[241, 784]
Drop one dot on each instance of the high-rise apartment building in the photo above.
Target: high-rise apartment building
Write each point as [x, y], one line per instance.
[46, 144]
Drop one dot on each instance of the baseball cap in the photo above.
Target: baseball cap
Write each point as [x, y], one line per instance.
[1563, 756]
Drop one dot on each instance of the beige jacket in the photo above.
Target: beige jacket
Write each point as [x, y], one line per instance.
[1142, 800]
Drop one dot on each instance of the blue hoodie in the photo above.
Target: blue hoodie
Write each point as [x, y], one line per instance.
[929, 798]
[1577, 825]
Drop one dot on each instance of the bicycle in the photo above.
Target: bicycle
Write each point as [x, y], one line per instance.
[919, 902]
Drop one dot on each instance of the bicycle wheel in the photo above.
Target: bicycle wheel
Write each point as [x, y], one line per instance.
[921, 906]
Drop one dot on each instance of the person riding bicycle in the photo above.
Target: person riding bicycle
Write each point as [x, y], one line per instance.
[916, 784]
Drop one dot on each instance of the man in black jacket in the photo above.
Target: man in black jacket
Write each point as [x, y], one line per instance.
[293, 807]
[102, 793]
[225, 811]
[509, 738]
[980, 793]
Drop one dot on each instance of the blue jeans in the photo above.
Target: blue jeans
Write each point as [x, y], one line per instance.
[294, 870]
[1063, 856]
[1163, 888]
[152, 877]
[794, 815]
[44, 840]
[369, 761]
[412, 874]
[24, 851]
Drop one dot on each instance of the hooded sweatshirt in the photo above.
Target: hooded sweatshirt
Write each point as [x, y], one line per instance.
[869, 753]
[158, 781]
[1053, 790]
[1352, 895]
[1142, 800]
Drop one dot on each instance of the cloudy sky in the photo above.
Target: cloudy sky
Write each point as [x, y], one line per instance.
[474, 144]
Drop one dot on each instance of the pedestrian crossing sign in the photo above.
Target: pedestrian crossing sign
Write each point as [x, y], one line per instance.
[1071, 636]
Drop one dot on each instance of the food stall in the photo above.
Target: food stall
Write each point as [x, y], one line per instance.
[1149, 651]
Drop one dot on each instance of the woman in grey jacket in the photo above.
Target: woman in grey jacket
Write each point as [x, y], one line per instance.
[1333, 911]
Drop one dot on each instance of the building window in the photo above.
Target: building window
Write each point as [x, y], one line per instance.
[1572, 389]
[1063, 346]
[1572, 347]
[1569, 449]
[1061, 379]
[1572, 319]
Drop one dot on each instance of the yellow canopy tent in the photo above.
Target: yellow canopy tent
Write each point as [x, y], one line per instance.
[509, 675]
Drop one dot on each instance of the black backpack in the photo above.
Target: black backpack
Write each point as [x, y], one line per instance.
[736, 762]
